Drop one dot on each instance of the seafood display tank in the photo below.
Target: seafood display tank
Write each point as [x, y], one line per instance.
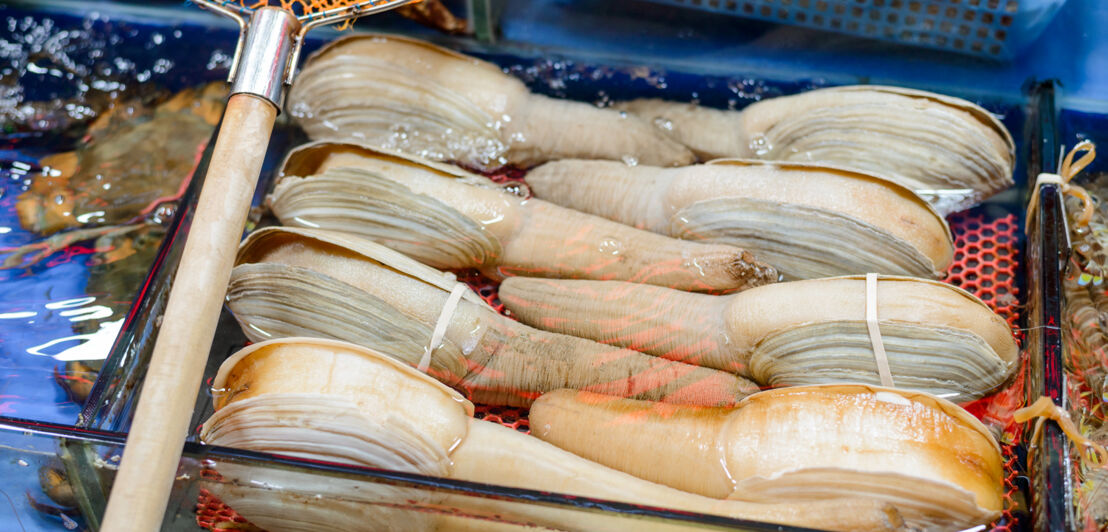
[108, 109]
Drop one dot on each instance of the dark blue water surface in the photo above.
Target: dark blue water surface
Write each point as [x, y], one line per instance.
[59, 71]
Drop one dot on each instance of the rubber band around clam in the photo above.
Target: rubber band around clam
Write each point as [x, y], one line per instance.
[1068, 170]
[439, 331]
[874, 329]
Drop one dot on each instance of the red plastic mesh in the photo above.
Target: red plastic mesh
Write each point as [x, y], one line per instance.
[985, 262]
[213, 515]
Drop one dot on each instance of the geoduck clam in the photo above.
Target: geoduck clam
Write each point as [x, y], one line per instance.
[806, 220]
[325, 284]
[338, 402]
[932, 460]
[451, 219]
[938, 339]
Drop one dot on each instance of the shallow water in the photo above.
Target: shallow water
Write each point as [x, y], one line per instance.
[60, 74]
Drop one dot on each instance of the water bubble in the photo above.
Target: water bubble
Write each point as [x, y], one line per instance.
[470, 343]
[602, 100]
[630, 160]
[220, 60]
[610, 246]
[695, 263]
[123, 64]
[516, 189]
[164, 213]
[663, 123]
[760, 144]
[750, 89]
[725, 338]
[161, 66]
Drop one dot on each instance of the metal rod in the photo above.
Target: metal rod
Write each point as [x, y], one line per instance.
[265, 58]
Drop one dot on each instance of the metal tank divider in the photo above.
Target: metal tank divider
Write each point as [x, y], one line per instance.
[1048, 254]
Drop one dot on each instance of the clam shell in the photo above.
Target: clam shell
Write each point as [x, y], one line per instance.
[311, 398]
[948, 150]
[278, 301]
[795, 238]
[950, 363]
[922, 140]
[272, 300]
[363, 202]
[380, 100]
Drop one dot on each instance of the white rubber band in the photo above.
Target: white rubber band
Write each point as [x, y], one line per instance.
[875, 331]
[1049, 179]
[439, 332]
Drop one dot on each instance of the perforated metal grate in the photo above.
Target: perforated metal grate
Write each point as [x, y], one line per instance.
[985, 262]
[979, 27]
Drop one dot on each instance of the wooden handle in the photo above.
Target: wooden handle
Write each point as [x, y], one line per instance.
[142, 486]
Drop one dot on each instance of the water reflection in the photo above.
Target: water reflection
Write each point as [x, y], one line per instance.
[90, 106]
[93, 346]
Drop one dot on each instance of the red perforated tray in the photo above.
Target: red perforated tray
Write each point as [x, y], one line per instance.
[985, 263]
